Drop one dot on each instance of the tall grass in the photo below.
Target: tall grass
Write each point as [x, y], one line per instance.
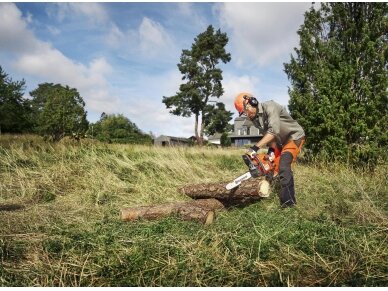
[68, 232]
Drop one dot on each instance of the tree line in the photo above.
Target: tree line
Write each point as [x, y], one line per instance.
[55, 111]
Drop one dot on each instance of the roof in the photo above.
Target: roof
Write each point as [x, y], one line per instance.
[168, 137]
[247, 122]
[217, 135]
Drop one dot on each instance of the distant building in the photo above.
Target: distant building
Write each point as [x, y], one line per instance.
[164, 140]
[244, 132]
[215, 139]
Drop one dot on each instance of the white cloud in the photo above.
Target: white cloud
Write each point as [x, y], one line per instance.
[53, 30]
[51, 65]
[192, 16]
[145, 108]
[92, 12]
[185, 8]
[262, 32]
[14, 36]
[152, 37]
[29, 17]
[100, 66]
[148, 40]
[115, 37]
[43, 62]
[153, 116]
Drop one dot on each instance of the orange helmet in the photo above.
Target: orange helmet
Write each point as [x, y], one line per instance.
[239, 102]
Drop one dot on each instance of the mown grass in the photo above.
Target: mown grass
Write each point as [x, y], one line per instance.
[69, 232]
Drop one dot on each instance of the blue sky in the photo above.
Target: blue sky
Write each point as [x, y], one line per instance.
[122, 57]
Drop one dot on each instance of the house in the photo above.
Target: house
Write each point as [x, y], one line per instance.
[164, 140]
[244, 132]
[215, 139]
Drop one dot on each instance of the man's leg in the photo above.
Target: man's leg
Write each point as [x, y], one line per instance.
[289, 153]
[287, 192]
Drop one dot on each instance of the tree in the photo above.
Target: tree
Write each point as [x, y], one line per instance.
[13, 107]
[199, 68]
[225, 140]
[58, 111]
[119, 129]
[216, 119]
[339, 80]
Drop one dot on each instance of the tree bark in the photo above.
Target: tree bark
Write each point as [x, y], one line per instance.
[202, 211]
[208, 198]
[196, 130]
[247, 192]
[202, 126]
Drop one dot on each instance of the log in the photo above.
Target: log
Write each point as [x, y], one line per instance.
[202, 211]
[247, 192]
[11, 207]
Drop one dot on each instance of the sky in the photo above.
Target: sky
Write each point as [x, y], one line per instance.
[122, 57]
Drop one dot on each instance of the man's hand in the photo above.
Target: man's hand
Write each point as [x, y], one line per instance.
[252, 151]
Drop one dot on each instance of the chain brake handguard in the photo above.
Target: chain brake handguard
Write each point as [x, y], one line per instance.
[251, 166]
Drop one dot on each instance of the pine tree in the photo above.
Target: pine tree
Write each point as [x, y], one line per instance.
[199, 68]
[339, 81]
[216, 119]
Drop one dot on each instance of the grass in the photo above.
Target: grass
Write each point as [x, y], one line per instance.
[68, 232]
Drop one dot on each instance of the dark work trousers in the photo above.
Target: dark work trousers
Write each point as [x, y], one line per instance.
[288, 154]
[287, 192]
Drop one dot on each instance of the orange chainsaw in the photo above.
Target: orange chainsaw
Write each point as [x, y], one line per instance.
[259, 165]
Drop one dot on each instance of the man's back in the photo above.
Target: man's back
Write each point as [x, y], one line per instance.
[275, 119]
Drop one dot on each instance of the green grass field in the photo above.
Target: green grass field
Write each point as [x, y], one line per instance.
[68, 232]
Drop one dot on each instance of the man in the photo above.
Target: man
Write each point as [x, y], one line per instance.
[281, 132]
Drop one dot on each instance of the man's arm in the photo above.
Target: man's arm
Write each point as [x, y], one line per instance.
[267, 138]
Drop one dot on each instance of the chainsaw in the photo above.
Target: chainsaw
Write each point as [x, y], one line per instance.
[259, 165]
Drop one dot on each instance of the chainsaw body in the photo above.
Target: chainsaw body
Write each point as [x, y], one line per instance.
[259, 165]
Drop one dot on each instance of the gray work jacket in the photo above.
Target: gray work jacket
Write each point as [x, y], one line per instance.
[274, 119]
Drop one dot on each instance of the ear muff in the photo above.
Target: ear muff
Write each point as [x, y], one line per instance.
[252, 101]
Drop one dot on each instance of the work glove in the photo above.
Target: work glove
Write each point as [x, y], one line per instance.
[252, 151]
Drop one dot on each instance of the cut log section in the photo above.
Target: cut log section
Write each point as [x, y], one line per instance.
[202, 211]
[247, 192]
